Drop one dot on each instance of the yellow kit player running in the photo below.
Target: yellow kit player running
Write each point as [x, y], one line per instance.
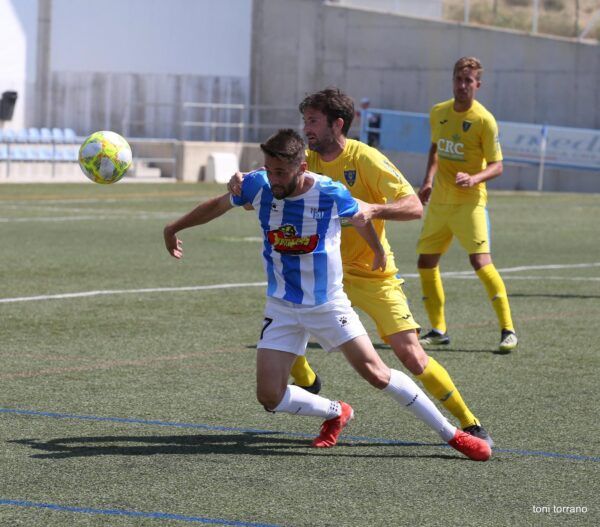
[464, 154]
[372, 178]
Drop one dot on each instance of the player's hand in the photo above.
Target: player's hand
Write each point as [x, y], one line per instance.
[379, 261]
[464, 180]
[424, 194]
[363, 216]
[234, 186]
[172, 243]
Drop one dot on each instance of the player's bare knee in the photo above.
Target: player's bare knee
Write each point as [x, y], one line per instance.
[414, 359]
[412, 355]
[376, 375]
[269, 399]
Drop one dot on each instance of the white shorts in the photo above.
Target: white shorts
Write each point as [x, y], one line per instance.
[288, 326]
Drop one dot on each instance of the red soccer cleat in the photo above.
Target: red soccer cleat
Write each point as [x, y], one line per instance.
[332, 428]
[471, 446]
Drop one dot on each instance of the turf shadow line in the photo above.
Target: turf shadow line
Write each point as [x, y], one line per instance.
[137, 514]
[214, 428]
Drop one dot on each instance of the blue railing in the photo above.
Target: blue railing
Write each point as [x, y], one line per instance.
[554, 146]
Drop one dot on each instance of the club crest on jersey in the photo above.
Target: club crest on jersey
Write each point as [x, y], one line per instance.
[350, 176]
[285, 240]
[466, 125]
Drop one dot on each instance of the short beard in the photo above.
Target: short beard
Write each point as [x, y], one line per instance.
[323, 147]
[287, 190]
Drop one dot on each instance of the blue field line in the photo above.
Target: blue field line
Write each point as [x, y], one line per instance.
[215, 428]
[137, 514]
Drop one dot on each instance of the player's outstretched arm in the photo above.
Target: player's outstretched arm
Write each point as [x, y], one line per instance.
[405, 208]
[203, 213]
[368, 232]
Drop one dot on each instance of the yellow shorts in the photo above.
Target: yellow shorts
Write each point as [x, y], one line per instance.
[383, 300]
[469, 223]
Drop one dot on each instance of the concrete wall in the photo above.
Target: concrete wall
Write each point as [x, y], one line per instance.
[420, 8]
[82, 62]
[194, 37]
[404, 63]
[18, 30]
[140, 104]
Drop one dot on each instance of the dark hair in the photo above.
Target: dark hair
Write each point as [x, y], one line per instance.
[332, 102]
[286, 144]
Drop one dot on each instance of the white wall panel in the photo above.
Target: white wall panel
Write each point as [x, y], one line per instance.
[199, 37]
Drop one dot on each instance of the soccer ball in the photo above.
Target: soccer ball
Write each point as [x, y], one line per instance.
[104, 157]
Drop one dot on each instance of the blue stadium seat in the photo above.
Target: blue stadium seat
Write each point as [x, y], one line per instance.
[45, 135]
[60, 154]
[66, 154]
[3, 152]
[22, 136]
[70, 136]
[58, 136]
[9, 136]
[17, 153]
[46, 154]
[33, 135]
[73, 153]
[25, 154]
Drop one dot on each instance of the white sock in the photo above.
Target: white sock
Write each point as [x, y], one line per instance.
[404, 390]
[300, 402]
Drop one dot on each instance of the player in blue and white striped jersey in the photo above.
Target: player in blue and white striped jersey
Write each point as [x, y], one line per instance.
[300, 216]
[301, 234]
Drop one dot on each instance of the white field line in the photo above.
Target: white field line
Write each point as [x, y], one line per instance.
[84, 210]
[533, 277]
[124, 200]
[468, 275]
[130, 291]
[515, 269]
[116, 216]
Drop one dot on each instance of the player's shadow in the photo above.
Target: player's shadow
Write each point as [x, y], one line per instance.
[246, 443]
[317, 346]
[451, 349]
[385, 347]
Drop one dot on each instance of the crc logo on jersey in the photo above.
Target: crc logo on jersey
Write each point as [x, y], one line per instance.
[350, 176]
[466, 125]
[285, 240]
[451, 149]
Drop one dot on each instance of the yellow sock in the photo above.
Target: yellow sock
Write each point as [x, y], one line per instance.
[438, 383]
[497, 294]
[433, 297]
[302, 373]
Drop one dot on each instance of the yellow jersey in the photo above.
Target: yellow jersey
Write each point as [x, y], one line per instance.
[370, 177]
[466, 142]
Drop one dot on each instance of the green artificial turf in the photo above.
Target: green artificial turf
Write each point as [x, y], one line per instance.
[181, 363]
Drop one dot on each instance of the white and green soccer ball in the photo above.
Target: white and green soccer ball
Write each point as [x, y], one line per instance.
[105, 157]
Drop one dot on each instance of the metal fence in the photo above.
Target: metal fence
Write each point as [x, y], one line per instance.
[209, 121]
[569, 18]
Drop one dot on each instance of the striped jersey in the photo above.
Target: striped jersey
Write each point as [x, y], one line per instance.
[301, 247]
